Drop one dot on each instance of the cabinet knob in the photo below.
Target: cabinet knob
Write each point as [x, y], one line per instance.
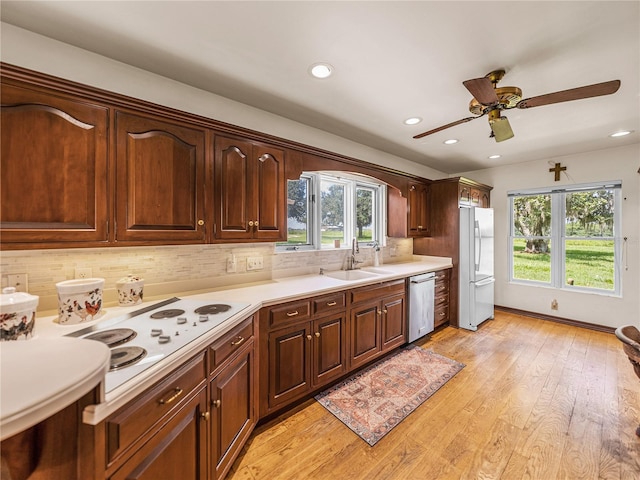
[216, 403]
[251, 223]
[309, 337]
[379, 312]
[256, 223]
[318, 334]
[204, 415]
[385, 311]
[200, 222]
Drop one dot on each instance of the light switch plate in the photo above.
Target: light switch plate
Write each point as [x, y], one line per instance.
[18, 281]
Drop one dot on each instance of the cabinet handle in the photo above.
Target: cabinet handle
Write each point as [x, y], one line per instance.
[318, 334]
[238, 341]
[204, 415]
[200, 222]
[293, 314]
[442, 314]
[176, 393]
[251, 223]
[331, 304]
[309, 337]
[216, 403]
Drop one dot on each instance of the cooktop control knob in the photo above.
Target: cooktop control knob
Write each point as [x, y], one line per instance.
[164, 339]
[182, 320]
[203, 318]
[156, 332]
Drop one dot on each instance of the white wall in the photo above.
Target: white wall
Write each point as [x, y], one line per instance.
[29, 50]
[617, 163]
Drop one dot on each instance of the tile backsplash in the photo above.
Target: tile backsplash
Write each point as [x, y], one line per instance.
[180, 267]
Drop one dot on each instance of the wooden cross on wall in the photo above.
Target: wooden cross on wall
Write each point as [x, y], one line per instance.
[557, 169]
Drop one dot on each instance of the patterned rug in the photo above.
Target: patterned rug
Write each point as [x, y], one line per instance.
[378, 398]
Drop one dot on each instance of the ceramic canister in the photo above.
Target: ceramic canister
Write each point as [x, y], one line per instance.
[130, 290]
[17, 314]
[79, 300]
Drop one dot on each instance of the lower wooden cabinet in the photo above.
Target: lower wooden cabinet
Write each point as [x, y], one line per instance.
[340, 332]
[441, 300]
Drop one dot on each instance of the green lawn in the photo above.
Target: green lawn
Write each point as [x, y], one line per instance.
[297, 237]
[588, 263]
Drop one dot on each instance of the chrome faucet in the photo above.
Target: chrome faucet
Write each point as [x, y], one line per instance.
[352, 261]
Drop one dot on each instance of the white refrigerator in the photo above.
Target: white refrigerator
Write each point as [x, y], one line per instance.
[475, 269]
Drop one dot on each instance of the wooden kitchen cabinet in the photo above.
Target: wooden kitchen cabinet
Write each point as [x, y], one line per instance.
[160, 181]
[304, 349]
[418, 210]
[250, 188]
[233, 391]
[441, 298]
[54, 169]
[377, 320]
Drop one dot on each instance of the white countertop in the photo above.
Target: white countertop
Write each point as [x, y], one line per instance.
[78, 363]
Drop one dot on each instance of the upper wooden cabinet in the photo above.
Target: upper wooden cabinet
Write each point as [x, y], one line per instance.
[249, 191]
[54, 169]
[418, 210]
[473, 195]
[160, 181]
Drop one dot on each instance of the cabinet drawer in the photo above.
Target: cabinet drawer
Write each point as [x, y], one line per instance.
[441, 299]
[441, 314]
[329, 303]
[442, 276]
[229, 343]
[289, 312]
[441, 288]
[376, 292]
[138, 417]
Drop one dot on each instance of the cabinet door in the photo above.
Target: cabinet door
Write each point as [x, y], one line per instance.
[289, 363]
[179, 450]
[233, 189]
[329, 349]
[365, 334]
[54, 170]
[394, 322]
[233, 412]
[418, 215]
[160, 181]
[269, 193]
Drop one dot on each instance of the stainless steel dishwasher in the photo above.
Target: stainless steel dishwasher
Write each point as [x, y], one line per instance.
[421, 294]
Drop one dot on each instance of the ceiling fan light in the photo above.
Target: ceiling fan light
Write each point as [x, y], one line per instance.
[621, 133]
[412, 120]
[321, 70]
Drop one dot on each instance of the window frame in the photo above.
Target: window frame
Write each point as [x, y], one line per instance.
[558, 236]
[351, 183]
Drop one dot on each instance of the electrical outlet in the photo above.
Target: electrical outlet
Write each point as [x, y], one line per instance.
[231, 264]
[84, 272]
[18, 281]
[255, 263]
[554, 304]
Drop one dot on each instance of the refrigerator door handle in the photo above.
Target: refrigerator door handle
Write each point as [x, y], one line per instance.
[486, 281]
[478, 241]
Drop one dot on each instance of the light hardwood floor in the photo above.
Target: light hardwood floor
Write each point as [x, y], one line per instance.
[537, 400]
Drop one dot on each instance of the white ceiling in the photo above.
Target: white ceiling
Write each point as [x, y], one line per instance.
[392, 60]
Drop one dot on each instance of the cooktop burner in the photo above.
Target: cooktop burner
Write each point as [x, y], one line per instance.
[170, 313]
[212, 309]
[125, 356]
[114, 336]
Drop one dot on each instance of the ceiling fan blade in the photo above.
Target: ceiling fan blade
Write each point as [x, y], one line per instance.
[596, 90]
[501, 129]
[482, 90]
[444, 127]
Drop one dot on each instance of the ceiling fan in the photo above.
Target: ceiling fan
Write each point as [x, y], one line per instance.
[491, 100]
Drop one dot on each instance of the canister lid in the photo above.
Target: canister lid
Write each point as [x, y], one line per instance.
[129, 279]
[12, 301]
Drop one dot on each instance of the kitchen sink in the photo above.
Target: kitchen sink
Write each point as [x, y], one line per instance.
[377, 271]
[350, 275]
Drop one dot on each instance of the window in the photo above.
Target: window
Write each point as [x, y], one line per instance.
[323, 208]
[567, 237]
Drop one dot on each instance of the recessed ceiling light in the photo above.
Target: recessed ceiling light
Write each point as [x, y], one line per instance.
[493, 157]
[451, 141]
[412, 120]
[621, 133]
[321, 70]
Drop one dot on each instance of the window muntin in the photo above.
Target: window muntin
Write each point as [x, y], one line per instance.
[322, 208]
[565, 238]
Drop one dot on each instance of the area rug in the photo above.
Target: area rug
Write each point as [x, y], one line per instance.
[376, 399]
